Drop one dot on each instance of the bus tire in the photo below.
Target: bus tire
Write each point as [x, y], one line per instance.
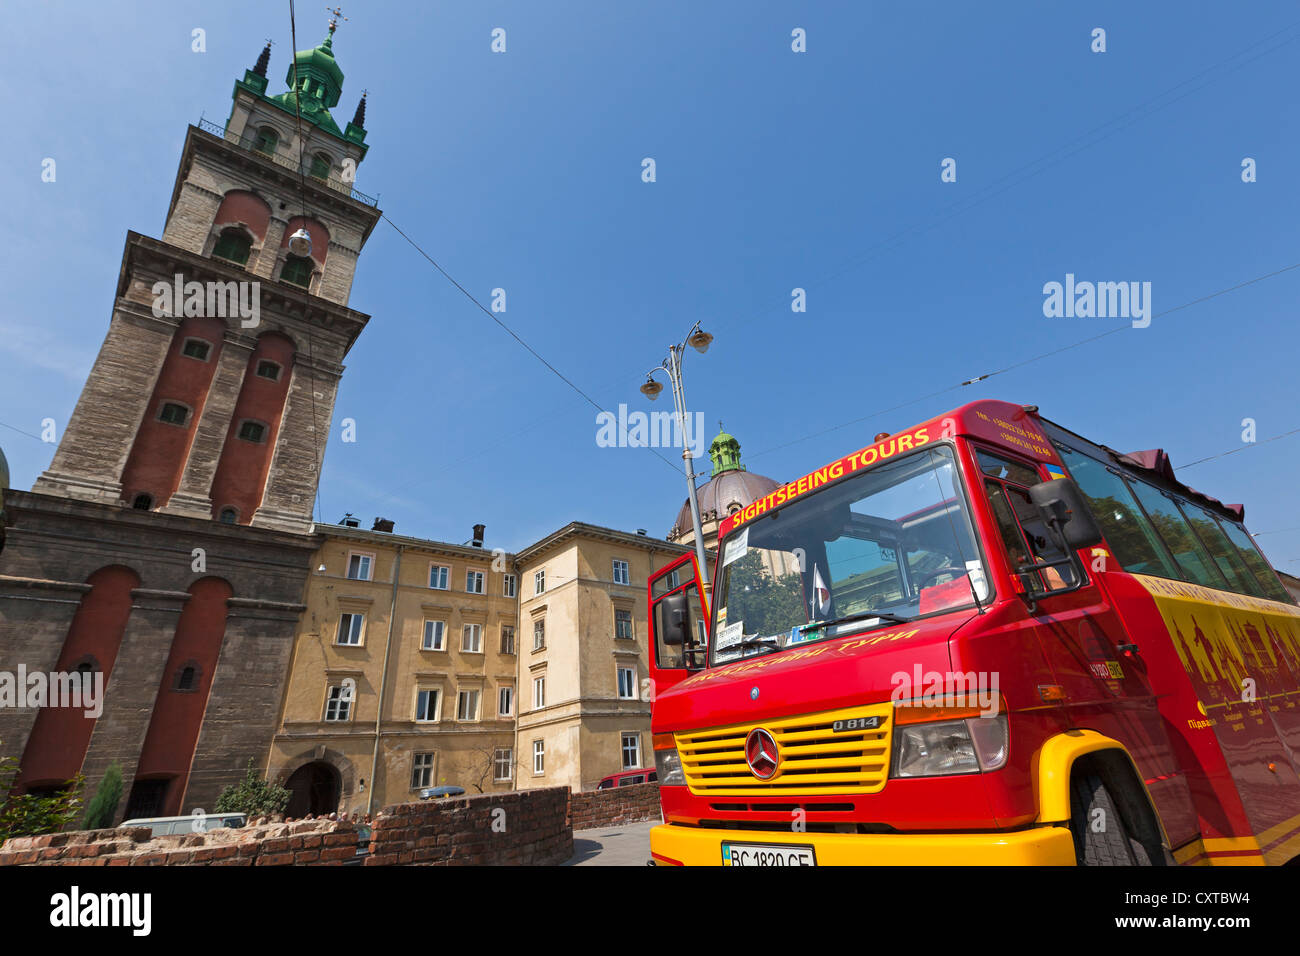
[1101, 837]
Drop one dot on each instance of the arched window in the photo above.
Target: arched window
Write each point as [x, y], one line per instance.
[186, 679]
[267, 140]
[143, 502]
[320, 166]
[173, 413]
[297, 270]
[233, 245]
[228, 516]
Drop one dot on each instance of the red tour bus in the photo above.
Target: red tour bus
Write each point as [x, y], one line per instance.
[982, 640]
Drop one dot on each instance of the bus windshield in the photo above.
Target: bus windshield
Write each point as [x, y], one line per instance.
[887, 545]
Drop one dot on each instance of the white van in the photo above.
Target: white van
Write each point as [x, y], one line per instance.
[162, 826]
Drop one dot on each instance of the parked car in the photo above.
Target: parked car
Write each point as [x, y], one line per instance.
[162, 826]
[627, 778]
[437, 793]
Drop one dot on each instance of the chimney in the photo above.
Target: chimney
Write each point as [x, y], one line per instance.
[382, 524]
[641, 531]
[478, 535]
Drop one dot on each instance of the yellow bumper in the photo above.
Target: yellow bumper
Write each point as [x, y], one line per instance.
[1044, 846]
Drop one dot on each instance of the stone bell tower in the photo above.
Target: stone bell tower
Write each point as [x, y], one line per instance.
[214, 389]
[166, 549]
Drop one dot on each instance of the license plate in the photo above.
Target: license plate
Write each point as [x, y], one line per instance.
[767, 854]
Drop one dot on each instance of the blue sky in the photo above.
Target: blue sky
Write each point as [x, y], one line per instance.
[775, 170]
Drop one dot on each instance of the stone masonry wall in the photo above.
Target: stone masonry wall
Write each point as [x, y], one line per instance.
[595, 809]
[304, 843]
[523, 828]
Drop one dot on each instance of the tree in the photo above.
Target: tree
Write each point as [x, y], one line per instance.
[103, 806]
[30, 814]
[253, 796]
[766, 605]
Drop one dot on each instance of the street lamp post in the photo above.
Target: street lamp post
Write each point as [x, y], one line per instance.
[699, 340]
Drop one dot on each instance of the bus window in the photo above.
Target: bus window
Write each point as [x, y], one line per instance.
[1019, 523]
[1128, 533]
[1225, 555]
[1255, 561]
[1195, 561]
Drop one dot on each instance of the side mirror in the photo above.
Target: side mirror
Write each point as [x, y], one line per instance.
[675, 619]
[1064, 510]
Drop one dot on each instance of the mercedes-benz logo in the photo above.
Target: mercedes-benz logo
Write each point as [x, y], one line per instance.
[761, 754]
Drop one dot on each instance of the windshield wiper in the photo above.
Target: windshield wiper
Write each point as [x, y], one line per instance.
[749, 642]
[864, 616]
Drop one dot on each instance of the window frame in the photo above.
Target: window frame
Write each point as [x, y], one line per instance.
[446, 576]
[419, 765]
[539, 582]
[623, 749]
[466, 629]
[619, 671]
[539, 758]
[626, 577]
[370, 566]
[441, 634]
[509, 585]
[508, 761]
[257, 370]
[341, 705]
[539, 634]
[631, 624]
[539, 692]
[473, 575]
[207, 348]
[502, 692]
[167, 403]
[462, 694]
[245, 422]
[509, 640]
[360, 631]
[433, 696]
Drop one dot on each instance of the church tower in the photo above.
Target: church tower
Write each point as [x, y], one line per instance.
[213, 392]
[165, 551]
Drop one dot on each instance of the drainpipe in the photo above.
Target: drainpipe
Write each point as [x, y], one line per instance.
[383, 680]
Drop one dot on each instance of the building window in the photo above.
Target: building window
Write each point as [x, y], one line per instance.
[421, 771]
[539, 634]
[539, 582]
[142, 502]
[507, 639]
[350, 626]
[539, 757]
[438, 577]
[631, 751]
[467, 705]
[266, 141]
[623, 624]
[252, 431]
[359, 566]
[228, 516]
[503, 760]
[471, 638]
[473, 582]
[233, 245]
[173, 413]
[426, 705]
[296, 271]
[509, 585]
[269, 370]
[320, 166]
[338, 705]
[434, 632]
[506, 702]
[627, 683]
[197, 349]
[539, 693]
[187, 678]
[621, 575]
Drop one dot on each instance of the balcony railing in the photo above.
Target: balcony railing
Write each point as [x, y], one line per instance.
[253, 145]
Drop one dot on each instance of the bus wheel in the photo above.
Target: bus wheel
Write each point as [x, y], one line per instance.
[1100, 835]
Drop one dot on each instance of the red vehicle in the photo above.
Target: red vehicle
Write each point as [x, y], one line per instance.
[626, 778]
[982, 640]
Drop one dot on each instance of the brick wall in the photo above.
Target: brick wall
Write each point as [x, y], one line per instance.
[304, 843]
[595, 809]
[527, 827]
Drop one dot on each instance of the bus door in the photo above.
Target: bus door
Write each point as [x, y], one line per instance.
[1103, 679]
[673, 658]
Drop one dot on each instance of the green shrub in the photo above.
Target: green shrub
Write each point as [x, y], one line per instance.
[253, 796]
[103, 806]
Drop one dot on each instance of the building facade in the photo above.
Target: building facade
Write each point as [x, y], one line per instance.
[404, 673]
[166, 548]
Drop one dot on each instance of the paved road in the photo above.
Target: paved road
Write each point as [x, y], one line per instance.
[626, 845]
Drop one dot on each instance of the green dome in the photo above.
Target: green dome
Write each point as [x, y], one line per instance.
[318, 66]
[4, 471]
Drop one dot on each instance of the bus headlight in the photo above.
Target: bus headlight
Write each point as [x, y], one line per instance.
[950, 746]
[669, 766]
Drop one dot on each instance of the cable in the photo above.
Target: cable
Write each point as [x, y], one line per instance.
[1225, 454]
[1030, 360]
[511, 332]
[21, 432]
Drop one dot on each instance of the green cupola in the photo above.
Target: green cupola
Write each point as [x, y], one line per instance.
[725, 452]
